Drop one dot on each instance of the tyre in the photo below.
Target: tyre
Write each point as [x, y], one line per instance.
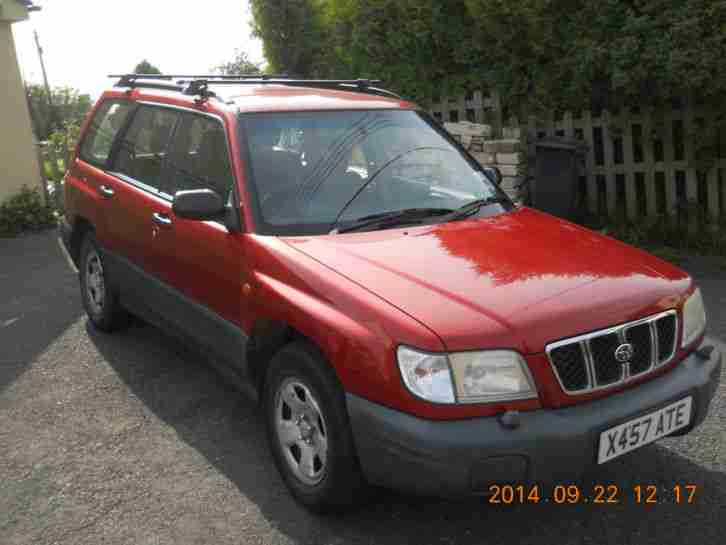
[99, 299]
[309, 432]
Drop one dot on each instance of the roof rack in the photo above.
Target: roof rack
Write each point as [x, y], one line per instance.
[130, 81]
[198, 85]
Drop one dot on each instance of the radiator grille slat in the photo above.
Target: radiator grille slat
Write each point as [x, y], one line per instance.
[666, 328]
[641, 339]
[608, 370]
[568, 363]
[650, 338]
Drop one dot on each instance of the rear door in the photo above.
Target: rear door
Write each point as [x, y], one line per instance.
[203, 261]
[138, 211]
[90, 187]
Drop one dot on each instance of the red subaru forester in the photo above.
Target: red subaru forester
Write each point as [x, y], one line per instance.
[339, 257]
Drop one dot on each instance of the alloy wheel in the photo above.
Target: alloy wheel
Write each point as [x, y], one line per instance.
[301, 431]
[95, 282]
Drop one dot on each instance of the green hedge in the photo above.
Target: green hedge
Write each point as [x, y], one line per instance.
[25, 211]
[539, 54]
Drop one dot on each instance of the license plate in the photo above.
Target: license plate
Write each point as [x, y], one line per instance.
[644, 429]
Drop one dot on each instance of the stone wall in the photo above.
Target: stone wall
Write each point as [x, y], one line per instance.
[507, 154]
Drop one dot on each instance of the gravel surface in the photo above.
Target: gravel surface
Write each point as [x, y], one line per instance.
[128, 439]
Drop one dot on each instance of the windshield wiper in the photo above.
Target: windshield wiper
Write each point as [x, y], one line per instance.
[473, 207]
[418, 215]
[389, 219]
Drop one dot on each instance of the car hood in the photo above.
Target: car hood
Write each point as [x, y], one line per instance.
[519, 279]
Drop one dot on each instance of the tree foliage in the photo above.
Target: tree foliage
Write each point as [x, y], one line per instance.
[145, 67]
[414, 45]
[69, 107]
[537, 53]
[241, 64]
[291, 34]
[603, 53]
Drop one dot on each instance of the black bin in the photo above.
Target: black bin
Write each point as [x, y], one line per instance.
[554, 185]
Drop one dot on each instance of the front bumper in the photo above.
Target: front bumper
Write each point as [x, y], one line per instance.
[550, 446]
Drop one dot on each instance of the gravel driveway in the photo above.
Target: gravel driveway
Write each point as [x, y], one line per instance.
[128, 439]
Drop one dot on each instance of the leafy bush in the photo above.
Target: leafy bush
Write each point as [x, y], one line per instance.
[69, 106]
[689, 229]
[25, 211]
[64, 140]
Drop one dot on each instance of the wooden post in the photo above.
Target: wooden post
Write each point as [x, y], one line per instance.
[592, 189]
[648, 164]
[629, 167]
[607, 144]
[497, 123]
[567, 125]
[478, 106]
[689, 155]
[43, 181]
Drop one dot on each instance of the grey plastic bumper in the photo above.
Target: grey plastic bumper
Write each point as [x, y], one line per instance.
[65, 231]
[463, 457]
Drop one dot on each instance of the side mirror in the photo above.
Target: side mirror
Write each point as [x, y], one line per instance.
[494, 174]
[198, 204]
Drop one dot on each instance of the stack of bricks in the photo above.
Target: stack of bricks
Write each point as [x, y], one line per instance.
[506, 154]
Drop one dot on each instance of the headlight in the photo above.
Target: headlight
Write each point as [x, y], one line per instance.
[694, 318]
[478, 377]
[426, 375]
[492, 375]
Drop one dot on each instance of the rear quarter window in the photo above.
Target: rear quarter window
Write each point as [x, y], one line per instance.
[107, 121]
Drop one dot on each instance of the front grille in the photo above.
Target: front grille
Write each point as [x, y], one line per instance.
[642, 340]
[666, 329]
[608, 370]
[568, 362]
[588, 362]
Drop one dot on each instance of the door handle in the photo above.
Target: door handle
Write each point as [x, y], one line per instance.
[161, 219]
[106, 191]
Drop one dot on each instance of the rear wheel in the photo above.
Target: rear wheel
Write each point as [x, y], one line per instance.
[309, 432]
[99, 299]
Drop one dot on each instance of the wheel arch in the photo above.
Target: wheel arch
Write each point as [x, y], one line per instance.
[81, 227]
[267, 337]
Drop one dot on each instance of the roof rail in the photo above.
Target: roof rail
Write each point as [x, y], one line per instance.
[197, 76]
[130, 80]
[199, 84]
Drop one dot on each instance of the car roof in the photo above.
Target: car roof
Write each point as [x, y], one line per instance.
[280, 98]
[269, 98]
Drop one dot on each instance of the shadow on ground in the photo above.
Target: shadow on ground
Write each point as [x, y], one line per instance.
[39, 300]
[221, 425]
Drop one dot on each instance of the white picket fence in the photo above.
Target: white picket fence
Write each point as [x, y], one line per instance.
[637, 164]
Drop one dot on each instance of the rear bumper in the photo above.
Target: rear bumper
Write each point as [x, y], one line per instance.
[451, 458]
[66, 231]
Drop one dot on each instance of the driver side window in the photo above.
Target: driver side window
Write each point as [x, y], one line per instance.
[199, 158]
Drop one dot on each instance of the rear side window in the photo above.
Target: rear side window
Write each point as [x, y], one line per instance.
[105, 125]
[198, 157]
[143, 149]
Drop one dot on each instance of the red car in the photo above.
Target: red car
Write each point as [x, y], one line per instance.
[340, 258]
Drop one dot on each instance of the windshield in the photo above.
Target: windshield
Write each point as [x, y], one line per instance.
[315, 171]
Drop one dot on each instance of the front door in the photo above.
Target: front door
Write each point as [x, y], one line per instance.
[201, 260]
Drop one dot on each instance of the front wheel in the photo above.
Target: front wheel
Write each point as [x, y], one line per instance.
[309, 432]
